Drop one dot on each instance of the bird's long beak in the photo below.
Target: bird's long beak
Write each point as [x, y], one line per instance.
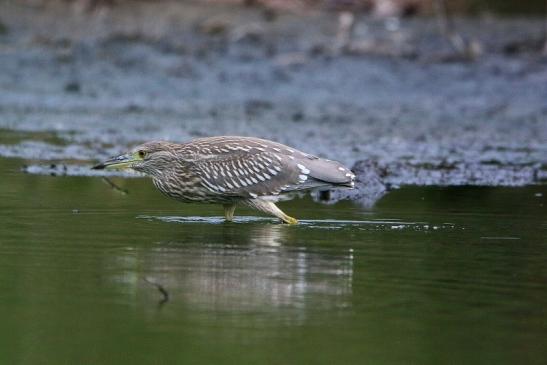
[117, 163]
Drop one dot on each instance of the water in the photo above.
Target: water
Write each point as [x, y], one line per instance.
[429, 276]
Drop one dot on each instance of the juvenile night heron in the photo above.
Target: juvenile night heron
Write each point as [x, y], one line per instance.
[231, 171]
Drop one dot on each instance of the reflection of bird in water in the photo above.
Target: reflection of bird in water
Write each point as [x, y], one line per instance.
[247, 272]
[233, 170]
[272, 236]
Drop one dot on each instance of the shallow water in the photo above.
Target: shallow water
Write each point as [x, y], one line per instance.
[429, 275]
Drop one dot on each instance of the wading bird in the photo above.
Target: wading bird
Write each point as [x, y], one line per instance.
[232, 170]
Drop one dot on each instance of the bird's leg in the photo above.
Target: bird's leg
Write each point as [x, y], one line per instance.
[229, 210]
[270, 208]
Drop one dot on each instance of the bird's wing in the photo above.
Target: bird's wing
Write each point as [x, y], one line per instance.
[247, 175]
[253, 167]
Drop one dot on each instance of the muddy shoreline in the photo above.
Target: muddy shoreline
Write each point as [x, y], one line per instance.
[401, 112]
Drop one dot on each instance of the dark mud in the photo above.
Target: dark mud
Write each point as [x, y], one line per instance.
[377, 179]
[77, 91]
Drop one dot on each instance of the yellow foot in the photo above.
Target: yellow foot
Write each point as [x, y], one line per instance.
[289, 220]
[229, 210]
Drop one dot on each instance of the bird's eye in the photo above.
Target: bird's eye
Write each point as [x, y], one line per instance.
[142, 154]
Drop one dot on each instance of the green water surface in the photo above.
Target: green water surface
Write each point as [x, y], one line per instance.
[428, 276]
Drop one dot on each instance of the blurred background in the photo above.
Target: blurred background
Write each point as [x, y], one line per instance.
[431, 91]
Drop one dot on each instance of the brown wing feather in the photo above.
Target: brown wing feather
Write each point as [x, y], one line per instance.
[251, 167]
[245, 174]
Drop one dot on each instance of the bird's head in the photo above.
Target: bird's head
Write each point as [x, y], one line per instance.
[151, 158]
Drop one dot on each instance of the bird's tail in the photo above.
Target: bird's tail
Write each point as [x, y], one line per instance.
[331, 172]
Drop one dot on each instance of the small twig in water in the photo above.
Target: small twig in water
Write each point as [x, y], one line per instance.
[161, 289]
[114, 186]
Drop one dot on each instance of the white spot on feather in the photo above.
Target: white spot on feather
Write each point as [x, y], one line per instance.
[303, 178]
[303, 168]
[208, 184]
[270, 198]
